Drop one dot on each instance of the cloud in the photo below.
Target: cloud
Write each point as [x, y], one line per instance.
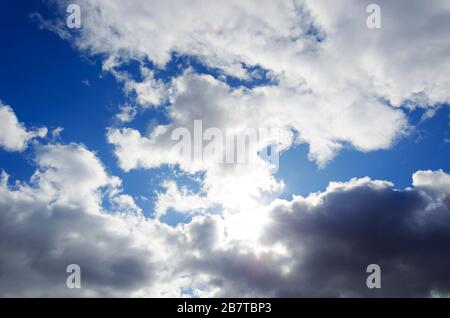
[327, 46]
[204, 98]
[275, 110]
[321, 246]
[60, 217]
[71, 173]
[181, 200]
[148, 92]
[331, 74]
[127, 113]
[435, 181]
[56, 220]
[13, 135]
[389, 61]
[318, 245]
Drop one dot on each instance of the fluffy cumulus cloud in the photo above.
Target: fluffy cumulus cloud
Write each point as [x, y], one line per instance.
[181, 200]
[57, 219]
[437, 181]
[13, 135]
[333, 74]
[201, 97]
[318, 245]
[327, 47]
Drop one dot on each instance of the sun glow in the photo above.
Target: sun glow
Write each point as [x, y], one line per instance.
[246, 226]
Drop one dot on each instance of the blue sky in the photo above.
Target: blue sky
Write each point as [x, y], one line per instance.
[424, 149]
[301, 66]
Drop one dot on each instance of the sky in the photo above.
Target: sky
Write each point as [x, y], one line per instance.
[90, 175]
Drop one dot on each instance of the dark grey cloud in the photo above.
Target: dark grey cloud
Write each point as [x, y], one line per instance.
[56, 220]
[37, 242]
[331, 243]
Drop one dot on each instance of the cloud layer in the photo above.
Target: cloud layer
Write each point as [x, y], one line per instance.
[330, 83]
[318, 245]
[72, 211]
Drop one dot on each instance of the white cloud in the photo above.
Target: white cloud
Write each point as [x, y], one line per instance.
[71, 173]
[406, 59]
[181, 200]
[330, 92]
[326, 128]
[436, 181]
[13, 134]
[127, 113]
[149, 92]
